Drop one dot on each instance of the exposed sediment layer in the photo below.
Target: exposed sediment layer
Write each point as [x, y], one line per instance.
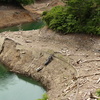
[10, 15]
[25, 51]
[21, 58]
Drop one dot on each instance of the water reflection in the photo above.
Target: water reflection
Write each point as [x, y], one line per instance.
[27, 26]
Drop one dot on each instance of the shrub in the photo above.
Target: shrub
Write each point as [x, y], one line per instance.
[98, 93]
[25, 2]
[45, 97]
[76, 16]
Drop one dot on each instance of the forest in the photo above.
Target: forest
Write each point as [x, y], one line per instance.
[25, 2]
[77, 16]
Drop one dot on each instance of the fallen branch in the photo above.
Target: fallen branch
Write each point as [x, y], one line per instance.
[87, 61]
[88, 75]
[50, 58]
[93, 96]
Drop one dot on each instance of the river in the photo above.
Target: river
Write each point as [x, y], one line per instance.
[18, 87]
[26, 26]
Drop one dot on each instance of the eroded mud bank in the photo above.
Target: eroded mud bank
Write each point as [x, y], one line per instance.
[20, 57]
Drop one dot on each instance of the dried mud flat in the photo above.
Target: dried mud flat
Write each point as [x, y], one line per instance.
[74, 72]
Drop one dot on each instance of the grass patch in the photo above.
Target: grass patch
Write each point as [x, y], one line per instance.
[45, 97]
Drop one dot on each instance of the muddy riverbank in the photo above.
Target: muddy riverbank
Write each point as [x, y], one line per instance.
[73, 73]
[22, 56]
[74, 67]
[12, 15]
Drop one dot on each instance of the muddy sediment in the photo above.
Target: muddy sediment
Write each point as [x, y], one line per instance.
[75, 56]
[13, 15]
[74, 67]
[10, 15]
[22, 59]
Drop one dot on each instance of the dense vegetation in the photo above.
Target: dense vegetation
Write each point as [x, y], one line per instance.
[45, 97]
[25, 2]
[98, 93]
[77, 16]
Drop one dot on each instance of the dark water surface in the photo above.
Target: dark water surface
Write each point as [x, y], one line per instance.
[18, 87]
[26, 26]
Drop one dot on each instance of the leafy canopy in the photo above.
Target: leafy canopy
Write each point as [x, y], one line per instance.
[25, 2]
[76, 16]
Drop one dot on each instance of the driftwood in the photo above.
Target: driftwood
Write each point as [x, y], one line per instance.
[93, 96]
[39, 68]
[88, 75]
[50, 58]
[87, 61]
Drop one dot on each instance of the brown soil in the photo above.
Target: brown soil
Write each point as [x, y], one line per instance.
[42, 5]
[10, 15]
[74, 72]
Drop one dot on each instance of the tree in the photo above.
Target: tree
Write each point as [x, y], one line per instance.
[76, 16]
[25, 2]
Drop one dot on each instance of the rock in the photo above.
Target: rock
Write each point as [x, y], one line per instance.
[28, 41]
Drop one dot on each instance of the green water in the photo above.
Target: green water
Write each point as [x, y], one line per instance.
[17, 87]
[26, 26]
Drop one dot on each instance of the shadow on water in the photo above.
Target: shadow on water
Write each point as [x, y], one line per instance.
[6, 77]
[18, 87]
[26, 26]
[28, 79]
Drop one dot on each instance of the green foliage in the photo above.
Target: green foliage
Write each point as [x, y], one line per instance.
[7, 1]
[98, 93]
[25, 2]
[76, 16]
[45, 97]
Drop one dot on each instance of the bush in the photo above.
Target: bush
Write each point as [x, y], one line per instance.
[25, 2]
[98, 93]
[76, 16]
[5, 0]
[45, 97]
